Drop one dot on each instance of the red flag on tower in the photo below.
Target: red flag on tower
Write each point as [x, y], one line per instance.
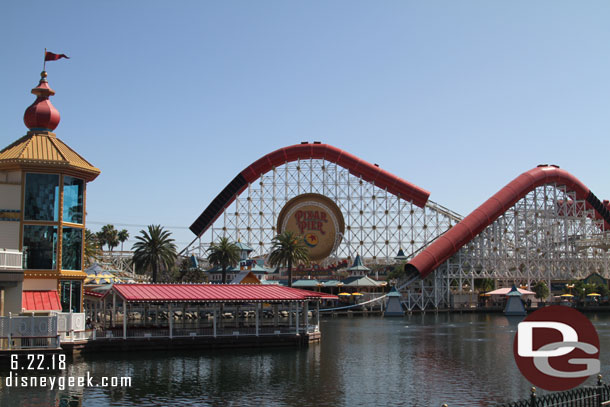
[49, 56]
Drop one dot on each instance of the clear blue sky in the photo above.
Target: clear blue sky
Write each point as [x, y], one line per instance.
[172, 99]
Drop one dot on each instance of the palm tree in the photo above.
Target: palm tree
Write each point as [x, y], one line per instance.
[154, 249]
[101, 239]
[123, 235]
[223, 254]
[288, 248]
[92, 248]
[108, 236]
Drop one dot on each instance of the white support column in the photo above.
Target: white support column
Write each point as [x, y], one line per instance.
[214, 320]
[258, 306]
[104, 312]
[237, 319]
[297, 317]
[198, 318]
[10, 328]
[170, 318]
[124, 319]
[306, 316]
[113, 316]
[317, 315]
[144, 319]
[183, 315]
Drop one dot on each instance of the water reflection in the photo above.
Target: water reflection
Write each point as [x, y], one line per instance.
[419, 360]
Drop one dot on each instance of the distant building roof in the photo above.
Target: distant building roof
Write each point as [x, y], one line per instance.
[305, 283]
[394, 293]
[218, 269]
[364, 281]
[257, 268]
[213, 293]
[400, 255]
[245, 277]
[244, 247]
[97, 275]
[514, 292]
[332, 283]
[358, 265]
[270, 282]
[506, 290]
[254, 267]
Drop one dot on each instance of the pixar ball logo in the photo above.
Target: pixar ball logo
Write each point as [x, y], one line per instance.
[556, 348]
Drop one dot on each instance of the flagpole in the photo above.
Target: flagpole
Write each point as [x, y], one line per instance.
[44, 64]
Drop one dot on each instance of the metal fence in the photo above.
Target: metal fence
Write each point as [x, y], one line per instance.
[207, 331]
[24, 332]
[42, 331]
[593, 396]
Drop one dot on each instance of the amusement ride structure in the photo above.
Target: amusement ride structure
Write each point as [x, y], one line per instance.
[545, 225]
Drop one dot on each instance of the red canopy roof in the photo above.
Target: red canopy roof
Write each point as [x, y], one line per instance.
[506, 290]
[40, 301]
[213, 293]
[94, 294]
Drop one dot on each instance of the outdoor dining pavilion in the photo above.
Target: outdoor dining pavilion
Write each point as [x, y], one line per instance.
[144, 316]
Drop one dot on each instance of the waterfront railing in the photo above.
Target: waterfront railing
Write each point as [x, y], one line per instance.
[28, 332]
[165, 332]
[589, 396]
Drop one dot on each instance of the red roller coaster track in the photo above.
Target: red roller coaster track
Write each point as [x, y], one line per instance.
[353, 164]
[449, 243]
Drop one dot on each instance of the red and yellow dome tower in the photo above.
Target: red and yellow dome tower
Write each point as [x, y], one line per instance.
[42, 203]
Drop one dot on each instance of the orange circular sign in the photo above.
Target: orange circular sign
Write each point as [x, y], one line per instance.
[317, 219]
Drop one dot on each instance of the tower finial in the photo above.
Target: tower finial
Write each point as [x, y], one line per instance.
[42, 115]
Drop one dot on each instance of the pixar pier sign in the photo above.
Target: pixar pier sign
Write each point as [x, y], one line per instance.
[311, 221]
[317, 219]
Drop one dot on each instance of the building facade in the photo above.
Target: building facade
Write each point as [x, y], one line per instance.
[42, 209]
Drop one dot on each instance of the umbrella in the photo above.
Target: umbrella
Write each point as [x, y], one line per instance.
[594, 295]
[356, 294]
[566, 295]
[344, 294]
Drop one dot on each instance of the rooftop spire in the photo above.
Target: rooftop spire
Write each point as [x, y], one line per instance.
[42, 115]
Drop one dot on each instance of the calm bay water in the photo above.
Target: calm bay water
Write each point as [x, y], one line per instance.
[420, 360]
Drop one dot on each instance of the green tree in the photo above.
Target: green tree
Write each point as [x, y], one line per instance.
[122, 236]
[101, 240]
[153, 250]
[223, 254]
[602, 289]
[288, 249]
[108, 236]
[541, 290]
[397, 271]
[92, 248]
[581, 289]
[485, 284]
[186, 271]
